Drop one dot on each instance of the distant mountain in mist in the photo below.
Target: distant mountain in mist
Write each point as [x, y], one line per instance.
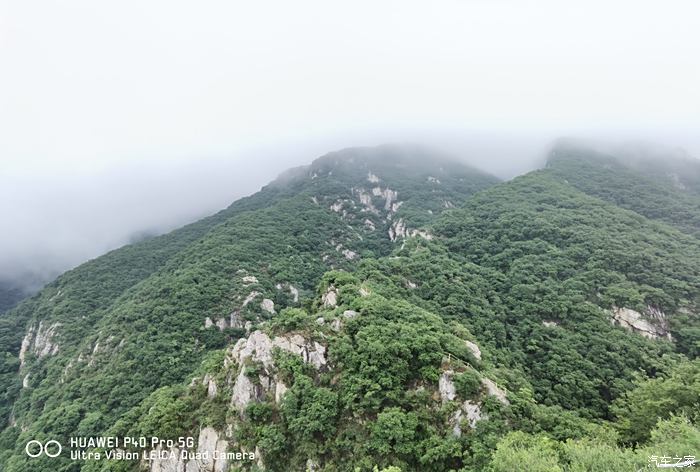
[10, 295]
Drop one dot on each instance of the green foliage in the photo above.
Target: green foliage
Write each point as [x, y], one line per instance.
[674, 437]
[643, 187]
[310, 411]
[467, 383]
[589, 455]
[519, 451]
[289, 319]
[558, 256]
[393, 433]
[658, 398]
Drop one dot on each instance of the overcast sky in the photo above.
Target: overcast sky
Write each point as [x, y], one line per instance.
[123, 116]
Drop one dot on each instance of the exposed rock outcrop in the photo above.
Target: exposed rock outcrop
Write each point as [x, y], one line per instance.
[210, 456]
[262, 382]
[493, 390]
[293, 291]
[349, 255]
[652, 326]
[337, 323]
[251, 296]
[471, 412]
[268, 305]
[330, 298]
[474, 349]
[250, 279]
[470, 409]
[389, 197]
[39, 341]
[398, 230]
[210, 383]
[446, 386]
[366, 200]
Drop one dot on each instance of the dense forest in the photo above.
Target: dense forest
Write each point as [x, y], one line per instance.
[384, 309]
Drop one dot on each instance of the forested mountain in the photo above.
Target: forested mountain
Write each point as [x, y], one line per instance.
[664, 188]
[382, 309]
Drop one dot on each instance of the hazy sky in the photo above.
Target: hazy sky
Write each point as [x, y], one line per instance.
[123, 116]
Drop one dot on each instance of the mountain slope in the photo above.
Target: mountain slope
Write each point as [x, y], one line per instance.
[653, 188]
[103, 336]
[381, 307]
[510, 318]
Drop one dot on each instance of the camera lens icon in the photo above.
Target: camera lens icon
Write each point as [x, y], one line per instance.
[51, 448]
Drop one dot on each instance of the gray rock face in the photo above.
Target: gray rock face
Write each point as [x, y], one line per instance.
[251, 296]
[398, 230]
[244, 391]
[337, 206]
[653, 326]
[349, 255]
[39, 341]
[469, 409]
[280, 389]
[211, 452]
[169, 463]
[295, 293]
[258, 349]
[474, 349]
[493, 390]
[471, 412]
[446, 387]
[210, 383]
[330, 298]
[422, 234]
[387, 194]
[337, 323]
[250, 279]
[366, 200]
[268, 305]
[222, 324]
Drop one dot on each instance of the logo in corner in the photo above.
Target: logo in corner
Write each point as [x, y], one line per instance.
[51, 448]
